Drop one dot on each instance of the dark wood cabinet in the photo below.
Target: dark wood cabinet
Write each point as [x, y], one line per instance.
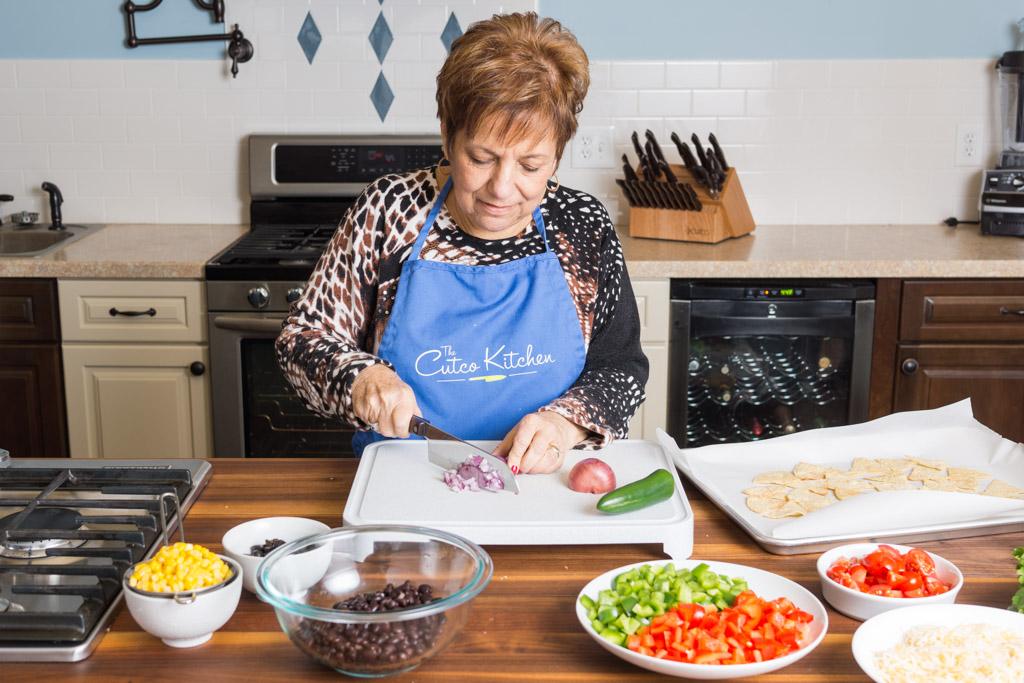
[32, 416]
[940, 341]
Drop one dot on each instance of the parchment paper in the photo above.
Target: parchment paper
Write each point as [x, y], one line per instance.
[949, 433]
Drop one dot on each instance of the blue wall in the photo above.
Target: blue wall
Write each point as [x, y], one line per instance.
[790, 29]
[96, 29]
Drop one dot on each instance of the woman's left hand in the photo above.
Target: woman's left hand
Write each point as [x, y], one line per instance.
[537, 445]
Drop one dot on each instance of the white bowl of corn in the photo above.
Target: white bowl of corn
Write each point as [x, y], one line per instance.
[183, 593]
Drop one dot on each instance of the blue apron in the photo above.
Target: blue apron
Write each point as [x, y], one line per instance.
[482, 346]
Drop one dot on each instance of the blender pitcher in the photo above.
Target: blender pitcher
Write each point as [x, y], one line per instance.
[1011, 95]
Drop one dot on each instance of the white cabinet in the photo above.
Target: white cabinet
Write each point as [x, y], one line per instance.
[135, 368]
[652, 301]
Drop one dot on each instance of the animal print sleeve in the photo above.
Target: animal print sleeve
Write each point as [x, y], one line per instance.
[611, 387]
[320, 348]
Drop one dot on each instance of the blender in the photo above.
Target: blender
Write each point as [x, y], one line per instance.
[1002, 190]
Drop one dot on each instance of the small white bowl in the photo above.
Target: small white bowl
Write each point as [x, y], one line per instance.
[186, 618]
[239, 540]
[862, 606]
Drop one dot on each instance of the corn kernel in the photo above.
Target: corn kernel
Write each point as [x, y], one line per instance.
[182, 566]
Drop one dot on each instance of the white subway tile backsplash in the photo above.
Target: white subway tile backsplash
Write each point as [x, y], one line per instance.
[746, 130]
[77, 156]
[24, 156]
[767, 103]
[638, 75]
[150, 73]
[173, 210]
[156, 183]
[795, 73]
[103, 73]
[125, 102]
[691, 75]
[68, 102]
[206, 129]
[860, 73]
[922, 73]
[101, 129]
[10, 129]
[819, 101]
[268, 19]
[104, 184]
[231, 102]
[664, 102]
[615, 103]
[719, 102]
[872, 102]
[747, 74]
[43, 73]
[295, 103]
[47, 129]
[8, 75]
[130, 209]
[170, 101]
[124, 157]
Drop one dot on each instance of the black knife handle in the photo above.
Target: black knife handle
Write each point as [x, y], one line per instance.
[689, 160]
[627, 169]
[652, 161]
[658, 155]
[626, 191]
[667, 171]
[700, 150]
[718, 151]
[637, 147]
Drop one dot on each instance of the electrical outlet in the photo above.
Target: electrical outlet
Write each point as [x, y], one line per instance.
[969, 144]
[593, 147]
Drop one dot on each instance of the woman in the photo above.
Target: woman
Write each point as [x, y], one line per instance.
[479, 294]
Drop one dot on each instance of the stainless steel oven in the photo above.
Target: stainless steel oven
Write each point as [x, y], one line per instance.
[750, 360]
[301, 186]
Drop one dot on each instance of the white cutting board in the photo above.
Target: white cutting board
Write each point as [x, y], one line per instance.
[396, 484]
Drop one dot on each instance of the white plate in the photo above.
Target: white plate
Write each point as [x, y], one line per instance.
[879, 633]
[767, 585]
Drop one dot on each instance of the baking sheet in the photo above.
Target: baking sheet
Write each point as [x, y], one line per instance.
[949, 433]
[396, 484]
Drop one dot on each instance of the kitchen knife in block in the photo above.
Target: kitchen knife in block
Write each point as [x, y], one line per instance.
[449, 452]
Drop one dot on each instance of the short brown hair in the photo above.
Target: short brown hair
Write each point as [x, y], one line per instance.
[517, 71]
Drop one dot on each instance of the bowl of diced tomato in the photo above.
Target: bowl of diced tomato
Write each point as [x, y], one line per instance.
[861, 580]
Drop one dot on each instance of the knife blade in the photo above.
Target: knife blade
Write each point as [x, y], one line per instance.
[658, 155]
[718, 151]
[448, 451]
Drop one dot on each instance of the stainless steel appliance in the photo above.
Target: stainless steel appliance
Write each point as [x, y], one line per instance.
[301, 187]
[69, 529]
[1002, 189]
[750, 360]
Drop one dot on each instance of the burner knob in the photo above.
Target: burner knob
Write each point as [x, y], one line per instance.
[293, 295]
[259, 297]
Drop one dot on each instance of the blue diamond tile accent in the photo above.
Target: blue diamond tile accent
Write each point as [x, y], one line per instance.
[381, 96]
[309, 37]
[381, 38]
[451, 32]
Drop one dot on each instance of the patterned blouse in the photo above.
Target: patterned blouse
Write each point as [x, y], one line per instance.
[336, 327]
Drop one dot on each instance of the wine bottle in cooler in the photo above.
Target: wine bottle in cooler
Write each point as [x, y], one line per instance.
[721, 383]
[749, 421]
[782, 420]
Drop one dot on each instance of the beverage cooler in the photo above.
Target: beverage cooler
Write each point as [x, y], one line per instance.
[752, 360]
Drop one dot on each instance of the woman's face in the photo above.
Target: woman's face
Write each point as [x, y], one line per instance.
[497, 184]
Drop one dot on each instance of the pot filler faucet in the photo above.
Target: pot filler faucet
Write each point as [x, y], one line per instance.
[56, 199]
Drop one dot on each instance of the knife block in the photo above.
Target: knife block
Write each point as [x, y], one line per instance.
[719, 219]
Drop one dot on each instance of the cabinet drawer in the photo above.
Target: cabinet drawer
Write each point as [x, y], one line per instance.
[132, 310]
[652, 302]
[961, 310]
[28, 310]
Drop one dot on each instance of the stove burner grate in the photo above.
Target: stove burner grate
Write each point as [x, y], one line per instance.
[43, 521]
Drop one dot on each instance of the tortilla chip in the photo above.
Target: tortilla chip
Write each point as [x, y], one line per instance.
[963, 483]
[846, 483]
[934, 464]
[790, 509]
[865, 466]
[762, 504]
[895, 465]
[777, 477]
[893, 485]
[806, 470]
[965, 473]
[772, 491]
[816, 503]
[922, 473]
[843, 494]
[818, 486]
[888, 477]
[1001, 489]
[941, 485]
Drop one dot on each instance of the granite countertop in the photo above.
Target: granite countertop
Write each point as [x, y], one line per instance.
[872, 251]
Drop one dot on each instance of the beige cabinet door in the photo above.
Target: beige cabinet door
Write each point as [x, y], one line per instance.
[137, 401]
[653, 412]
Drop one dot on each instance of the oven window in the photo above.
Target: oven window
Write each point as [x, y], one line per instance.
[277, 425]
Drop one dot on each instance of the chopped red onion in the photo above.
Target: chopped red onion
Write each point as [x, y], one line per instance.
[474, 474]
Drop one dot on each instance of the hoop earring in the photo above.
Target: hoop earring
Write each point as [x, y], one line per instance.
[444, 159]
[558, 184]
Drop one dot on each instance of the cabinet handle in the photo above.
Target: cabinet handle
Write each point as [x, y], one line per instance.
[151, 312]
[197, 368]
[909, 366]
[1006, 311]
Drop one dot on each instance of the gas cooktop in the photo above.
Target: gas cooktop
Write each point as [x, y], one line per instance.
[69, 529]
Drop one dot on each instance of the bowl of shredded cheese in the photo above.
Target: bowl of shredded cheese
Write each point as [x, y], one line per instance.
[928, 643]
[183, 593]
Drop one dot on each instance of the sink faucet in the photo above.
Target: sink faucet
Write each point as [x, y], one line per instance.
[56, 199]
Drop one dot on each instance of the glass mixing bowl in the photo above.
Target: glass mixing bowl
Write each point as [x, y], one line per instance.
[420, 581]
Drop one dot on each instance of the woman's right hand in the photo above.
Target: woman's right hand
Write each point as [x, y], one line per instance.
[381, 398]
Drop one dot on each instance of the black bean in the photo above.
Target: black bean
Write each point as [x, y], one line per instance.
[268, 545]
[369, 646]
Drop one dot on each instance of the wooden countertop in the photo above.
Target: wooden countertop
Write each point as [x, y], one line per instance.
[788, 251]
[523, 626]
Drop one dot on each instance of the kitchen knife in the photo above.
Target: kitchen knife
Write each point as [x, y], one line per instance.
[652, 160]
[627, 191]
[627, 169]
[449, 452]
[681, 199]
[658, 155]
[718, 151]
[700, 150]
[694, 199]
[716, 169]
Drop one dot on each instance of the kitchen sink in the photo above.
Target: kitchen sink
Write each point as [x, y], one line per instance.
[37, 239]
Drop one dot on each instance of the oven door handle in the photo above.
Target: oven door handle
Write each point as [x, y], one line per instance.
[240, 324]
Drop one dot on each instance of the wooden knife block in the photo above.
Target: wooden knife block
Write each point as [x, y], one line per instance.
[719, 219]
